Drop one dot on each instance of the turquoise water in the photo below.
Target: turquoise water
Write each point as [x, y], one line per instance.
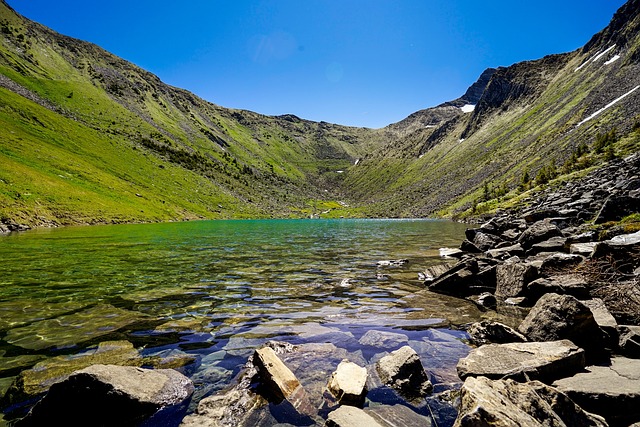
[217, 289]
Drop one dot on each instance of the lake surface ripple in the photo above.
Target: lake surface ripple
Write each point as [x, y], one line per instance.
[215, 290]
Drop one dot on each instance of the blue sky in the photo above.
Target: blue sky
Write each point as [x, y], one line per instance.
[353, 62]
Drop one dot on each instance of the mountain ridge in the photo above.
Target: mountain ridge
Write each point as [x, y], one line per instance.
[185, 158]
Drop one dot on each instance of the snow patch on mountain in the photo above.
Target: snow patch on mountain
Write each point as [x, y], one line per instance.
[612, 60]
[468, 108]
[595, 57]
[609, 105]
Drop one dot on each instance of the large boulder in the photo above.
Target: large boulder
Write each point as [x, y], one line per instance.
[513, 277]
[109, 395]
[611, 391]
[403, 371]
[544, 361]
[569, 284]
[37, 380]
[556, 317]
[605, 320]
[348, 383]
[506, 403]
[538, 232]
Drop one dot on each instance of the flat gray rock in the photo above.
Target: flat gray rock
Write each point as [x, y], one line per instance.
[611, 391]
[507, 403]
[545, 361]
[349, 416]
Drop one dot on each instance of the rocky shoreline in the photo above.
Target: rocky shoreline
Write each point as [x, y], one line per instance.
[565, 260]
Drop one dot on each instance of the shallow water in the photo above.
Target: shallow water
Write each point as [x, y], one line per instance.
[217, 289]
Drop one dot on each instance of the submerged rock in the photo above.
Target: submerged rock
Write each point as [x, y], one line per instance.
[109, 395]
[37, 380]
[506, 403]
[403, 371]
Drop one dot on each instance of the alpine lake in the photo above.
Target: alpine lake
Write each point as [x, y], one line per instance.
[202, 296]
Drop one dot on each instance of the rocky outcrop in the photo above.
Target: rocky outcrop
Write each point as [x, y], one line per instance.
[630, 340]
[508, 403]
[545, 361]
[109, 395]
[611, 391]
[403, 371]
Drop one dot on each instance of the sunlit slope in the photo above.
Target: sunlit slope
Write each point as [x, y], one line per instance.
[117, 130]
[530, 115]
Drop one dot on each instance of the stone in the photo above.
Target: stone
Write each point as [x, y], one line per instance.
[584, 249]
[506, 251]
[487, 332]
[604, 319]
[618, 245]
[392, 263]
[506, 403]
[433, 272]
[348, 383]
[403, 371]
[468, 246]
[555, 244]
[538, 232]
[544, 361]
[485, 299]
[37, 380]
[349, 416]
[611, 391]
[558, 260]
[569, 284]
[629, 340]
[512, 279]
[280, 382]
[556, 317]
[109, 395]
[383, 339]
[539, 215]
[397, 415]
[450, 252]
[484, 241]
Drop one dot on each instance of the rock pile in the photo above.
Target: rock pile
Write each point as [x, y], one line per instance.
[580, 282]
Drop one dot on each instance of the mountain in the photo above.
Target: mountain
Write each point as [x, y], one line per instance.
[533, 118]
[87, 137]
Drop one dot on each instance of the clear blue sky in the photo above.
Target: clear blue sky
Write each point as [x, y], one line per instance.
[353, 62]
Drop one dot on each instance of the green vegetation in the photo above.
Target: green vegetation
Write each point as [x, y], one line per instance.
[87, 137]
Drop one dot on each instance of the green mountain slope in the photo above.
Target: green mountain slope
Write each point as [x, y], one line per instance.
[529, 116]
[86, 137]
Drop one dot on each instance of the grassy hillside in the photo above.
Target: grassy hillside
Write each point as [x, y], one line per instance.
[86, 137]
